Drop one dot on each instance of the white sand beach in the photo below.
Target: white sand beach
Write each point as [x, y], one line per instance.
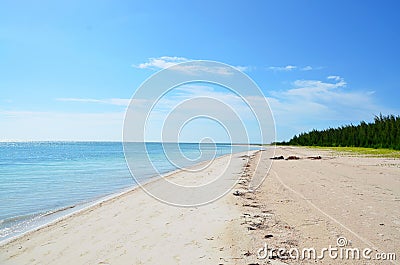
[302, 203]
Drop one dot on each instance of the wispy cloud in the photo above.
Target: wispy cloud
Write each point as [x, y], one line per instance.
[306, 104]
[245, 68]
[310, 87]
[200, 68]
[194, 91]
[282, 68]
[161, 62]
[319, 104]
[306, 68]
[168, 61]
[191, 100]
[172, 99]
[109, 101]
[327, 93]
[335, 77]
[288, 68]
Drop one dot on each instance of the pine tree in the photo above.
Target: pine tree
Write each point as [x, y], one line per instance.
[384, 132]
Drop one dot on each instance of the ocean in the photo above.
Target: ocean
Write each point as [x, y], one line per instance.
[42, 181]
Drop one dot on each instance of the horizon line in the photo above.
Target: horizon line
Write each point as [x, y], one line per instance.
[111, 141]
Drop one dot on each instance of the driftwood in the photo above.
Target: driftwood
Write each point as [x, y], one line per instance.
[277, 158]
[293, 158]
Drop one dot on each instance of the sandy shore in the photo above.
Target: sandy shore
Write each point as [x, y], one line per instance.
[310, 203]
[301, 204]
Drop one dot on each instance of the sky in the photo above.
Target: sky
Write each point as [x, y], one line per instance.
[68, 69]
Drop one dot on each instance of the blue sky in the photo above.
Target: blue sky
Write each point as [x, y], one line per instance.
[68, 68]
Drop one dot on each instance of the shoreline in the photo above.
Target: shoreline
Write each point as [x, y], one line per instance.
[86, 206]
[80, 207]
[97, 235]
[302, 203]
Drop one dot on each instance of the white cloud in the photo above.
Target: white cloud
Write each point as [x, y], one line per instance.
[282, 68]
[186, 100]
[168, 61]
[335, 77]
[110, 101]
[243, 68]
[192, 91]
[306, 105]
[289, 68]
[204, 68]
[320, 104]
[306, 68]
[192, 100]
[311, 87]
[161, 62]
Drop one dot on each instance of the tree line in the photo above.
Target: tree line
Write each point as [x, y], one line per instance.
[383, 132]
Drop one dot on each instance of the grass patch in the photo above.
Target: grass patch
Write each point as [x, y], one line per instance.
[380, 152]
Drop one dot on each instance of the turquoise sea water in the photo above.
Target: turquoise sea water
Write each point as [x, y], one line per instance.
[40, 181]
